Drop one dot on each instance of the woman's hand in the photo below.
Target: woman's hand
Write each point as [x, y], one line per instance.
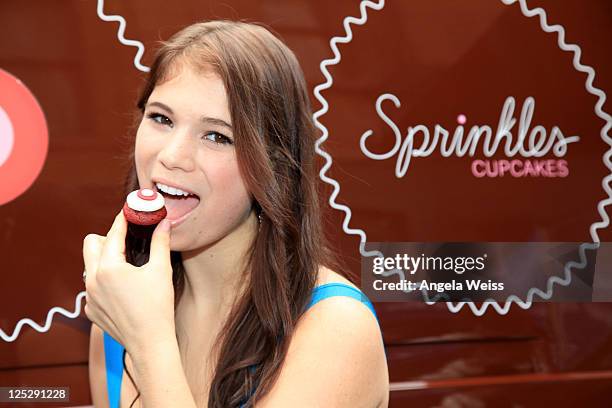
[135, 305]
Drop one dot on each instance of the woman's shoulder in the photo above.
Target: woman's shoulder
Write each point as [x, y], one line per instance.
[338, 314]
[337, 346]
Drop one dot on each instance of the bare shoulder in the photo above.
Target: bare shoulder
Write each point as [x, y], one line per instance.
[335, 358]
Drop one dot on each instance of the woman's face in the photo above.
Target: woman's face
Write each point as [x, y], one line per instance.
[185, 140]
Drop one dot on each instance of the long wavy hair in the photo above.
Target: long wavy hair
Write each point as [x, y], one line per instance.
[274, 141]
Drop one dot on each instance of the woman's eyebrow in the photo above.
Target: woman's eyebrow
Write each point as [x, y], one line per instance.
[205, 119]
[216, 121]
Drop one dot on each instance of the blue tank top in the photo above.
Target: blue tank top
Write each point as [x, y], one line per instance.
[113, 350]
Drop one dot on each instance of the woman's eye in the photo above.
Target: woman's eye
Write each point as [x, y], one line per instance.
[218, 138]
[214, 137]
[163, 120]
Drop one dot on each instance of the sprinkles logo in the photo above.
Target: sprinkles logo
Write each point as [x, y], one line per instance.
[24, 138]
[525, 141]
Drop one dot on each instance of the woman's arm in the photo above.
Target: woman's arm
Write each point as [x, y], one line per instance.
[158, 373]
[97, 368]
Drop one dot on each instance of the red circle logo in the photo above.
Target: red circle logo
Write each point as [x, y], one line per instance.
[24, 138]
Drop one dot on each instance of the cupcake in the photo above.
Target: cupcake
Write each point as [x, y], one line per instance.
[144, 209]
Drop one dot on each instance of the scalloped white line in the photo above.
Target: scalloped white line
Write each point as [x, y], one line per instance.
[605, 221]
[47, 326]
[121, 37]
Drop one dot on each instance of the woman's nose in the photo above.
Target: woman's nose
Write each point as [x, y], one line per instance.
[178, 152]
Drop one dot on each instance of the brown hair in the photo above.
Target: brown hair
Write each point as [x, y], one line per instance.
[274, 141]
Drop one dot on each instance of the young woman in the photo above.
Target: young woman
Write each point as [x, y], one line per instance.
[222, 307]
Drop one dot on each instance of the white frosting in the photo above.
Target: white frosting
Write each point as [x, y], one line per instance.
[147, 192]
[138, 204]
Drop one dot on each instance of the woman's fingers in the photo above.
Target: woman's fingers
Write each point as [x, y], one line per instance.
[160, 245]
[92, 250]
[114, 247]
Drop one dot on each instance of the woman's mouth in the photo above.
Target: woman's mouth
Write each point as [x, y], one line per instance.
[178, 206]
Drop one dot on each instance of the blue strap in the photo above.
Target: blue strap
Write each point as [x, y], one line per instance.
[113, 354]
[339, 289]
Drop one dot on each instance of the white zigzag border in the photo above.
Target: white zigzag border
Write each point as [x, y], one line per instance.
[47, 326]
[121, 37]
[605, 221]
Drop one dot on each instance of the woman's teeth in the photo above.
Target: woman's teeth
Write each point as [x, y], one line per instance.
[172, 190]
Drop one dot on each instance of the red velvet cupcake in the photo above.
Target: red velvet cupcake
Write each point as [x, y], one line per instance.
[144, 209]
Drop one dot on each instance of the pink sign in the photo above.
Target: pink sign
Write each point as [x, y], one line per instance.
[24, 138]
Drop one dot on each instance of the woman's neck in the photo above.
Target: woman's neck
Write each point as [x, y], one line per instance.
[214, 275]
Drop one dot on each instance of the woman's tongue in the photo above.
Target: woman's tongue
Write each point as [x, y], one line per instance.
[179, 206]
